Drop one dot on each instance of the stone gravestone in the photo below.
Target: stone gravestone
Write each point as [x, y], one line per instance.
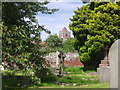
[103, 71]
[114, 60]
[104, 74]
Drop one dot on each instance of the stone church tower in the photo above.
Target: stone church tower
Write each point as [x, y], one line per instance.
[64, 34]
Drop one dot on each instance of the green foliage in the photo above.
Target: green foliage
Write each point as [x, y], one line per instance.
[15, 81]
[49, 79]
[55, 44]
[84, 57]
[68, 46]
[95, 27]
[54, 41]
[17, 31]
[20, 28]
[9, 73]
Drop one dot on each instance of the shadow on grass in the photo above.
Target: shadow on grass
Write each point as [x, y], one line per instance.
[15, 82]
[89, 68]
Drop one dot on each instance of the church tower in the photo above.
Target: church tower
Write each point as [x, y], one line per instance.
[64, 34]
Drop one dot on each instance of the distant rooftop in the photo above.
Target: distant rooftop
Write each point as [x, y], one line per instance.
[64, 29]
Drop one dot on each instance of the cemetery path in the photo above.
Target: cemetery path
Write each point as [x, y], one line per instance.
[93, 73]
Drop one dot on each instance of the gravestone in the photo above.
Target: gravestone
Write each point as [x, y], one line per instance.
[104, 74]
[103, 71]
[114, 60]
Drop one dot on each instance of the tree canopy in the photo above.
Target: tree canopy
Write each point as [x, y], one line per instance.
[54, 41]
[95, 26]
[69, 45]
[20, 29]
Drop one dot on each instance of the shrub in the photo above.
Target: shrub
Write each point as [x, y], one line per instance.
[49, 79]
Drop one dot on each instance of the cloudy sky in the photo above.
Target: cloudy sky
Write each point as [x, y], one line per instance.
[60, 19]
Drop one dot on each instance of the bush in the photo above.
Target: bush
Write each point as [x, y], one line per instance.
[49, 79]
[89, 68]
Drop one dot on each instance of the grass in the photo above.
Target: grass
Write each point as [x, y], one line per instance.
[76, 71]
[12, 72]
[73, 69]
[99, 85]
[15, 81]
[79, 80]
[76, 78]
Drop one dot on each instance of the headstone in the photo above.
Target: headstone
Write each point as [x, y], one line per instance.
[114, 59]
[103, 71]
[104, 74]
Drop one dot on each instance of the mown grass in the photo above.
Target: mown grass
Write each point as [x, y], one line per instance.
[73, 69]
[12, 72]
[76, 71]
[79, 80]
[76, 78]
[99, 85]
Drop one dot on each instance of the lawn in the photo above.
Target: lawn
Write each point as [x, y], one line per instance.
[74, 77]
[99, 85]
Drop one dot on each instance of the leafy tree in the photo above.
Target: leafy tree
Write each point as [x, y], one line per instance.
[68, 45]
[54, 41]
[95, 26]
[20, 28]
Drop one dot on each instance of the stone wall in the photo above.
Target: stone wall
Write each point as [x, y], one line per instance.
[71, 59]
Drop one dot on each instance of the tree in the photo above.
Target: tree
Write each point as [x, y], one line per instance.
[68, 45]
[95, 26]
[18, 34]
[54, 41]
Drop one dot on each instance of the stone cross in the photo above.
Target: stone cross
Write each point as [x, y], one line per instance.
[57, 58]
[114, 60]
[61, 63]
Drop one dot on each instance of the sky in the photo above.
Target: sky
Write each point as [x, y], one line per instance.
[60, 19]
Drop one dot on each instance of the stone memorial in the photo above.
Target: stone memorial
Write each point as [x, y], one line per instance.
[114, 60]
[104, 74]
[57, 58]
[61, 63]
[103, 70]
